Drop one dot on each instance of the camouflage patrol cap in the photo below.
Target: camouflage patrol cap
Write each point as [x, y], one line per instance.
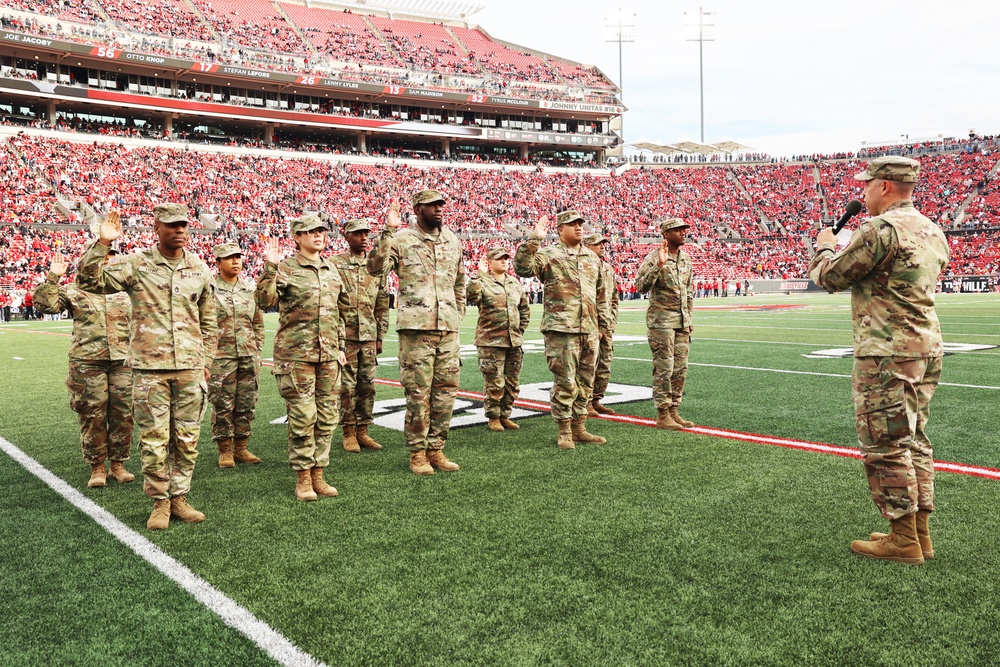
[224, 250]
[355, 225]
[428, 197]
[566, 217]
[891, 168]
[672, 223]
[497, 253]
[307, 222]
[595, 238]
[168, 212]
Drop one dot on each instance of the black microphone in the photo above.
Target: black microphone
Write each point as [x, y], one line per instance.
[853, 208]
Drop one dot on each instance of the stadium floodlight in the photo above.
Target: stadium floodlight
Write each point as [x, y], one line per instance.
[701, 29]
[622, 33]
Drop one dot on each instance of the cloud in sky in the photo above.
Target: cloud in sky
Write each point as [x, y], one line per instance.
[784, 77]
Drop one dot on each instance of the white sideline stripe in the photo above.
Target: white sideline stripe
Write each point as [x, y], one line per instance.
[232, 614]
[781, 370]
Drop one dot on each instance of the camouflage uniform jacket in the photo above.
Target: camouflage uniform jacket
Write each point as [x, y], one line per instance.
[503, 310]
[310, 324]
[671, 296]
[364, 299]
[100, 323]
[241, 322]
[174, 324]
[575, 298]
[612, 292]
[891, 264]
[431, 277]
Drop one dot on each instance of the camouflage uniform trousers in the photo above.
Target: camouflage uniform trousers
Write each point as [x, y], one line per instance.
[501, 369]
[572, 358]
[428, 370]
[357, 391]
[168, 407]
[232, 391]
[100, 393]
[670, 349]
[892, 397]
[311, 392]
[605, 353]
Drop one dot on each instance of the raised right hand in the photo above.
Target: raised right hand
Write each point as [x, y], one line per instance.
[393, 220]
[484, 264]
[541, 227]
[272, 251]
[58, 266]
[111, 228]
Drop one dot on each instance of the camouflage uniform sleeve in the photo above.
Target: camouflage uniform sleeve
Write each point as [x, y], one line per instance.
[91, 275]
[647, 275]
[381, 311]
[474, 290]
[50, 298]
[690, 292]
[603, 303]
[614, 298]
[258, 329]
[527, 263]
[835, 271]
[460, 284]
[384, 257]
[524, 312]
[208, 319]
[266, 293]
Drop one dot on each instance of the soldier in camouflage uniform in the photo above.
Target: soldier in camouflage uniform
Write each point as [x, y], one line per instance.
[605, 352]
[892, 263]
[171, 346]
[99, 382]
[503, 317]
[232, 386]
[308, 349]
[575, 311]
[430, 306]
[666, 274]
[365, 304]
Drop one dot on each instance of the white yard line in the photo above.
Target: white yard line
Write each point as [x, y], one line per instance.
[272, 642]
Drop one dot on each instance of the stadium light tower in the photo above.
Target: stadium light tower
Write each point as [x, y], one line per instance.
[620, 32]
[701, 30]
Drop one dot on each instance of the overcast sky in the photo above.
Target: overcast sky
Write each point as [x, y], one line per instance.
[784, 77]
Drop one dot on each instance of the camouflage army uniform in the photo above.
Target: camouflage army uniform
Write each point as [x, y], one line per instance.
[503, 318]
[365, 304]
[233, 384]
[306, 348]
[892, 264]
[172, 342]
[99, 382]
[575, 310]
[606, 348]
[430, 307]
[668, 321]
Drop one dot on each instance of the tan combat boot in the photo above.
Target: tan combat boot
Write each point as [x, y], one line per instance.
[495, 424]
[240, 452]
[304, 486]
[508, 424]
[665, 421]
[351, 440]
[580, 434]
[901, 545]
[226, 453]
[565, 440]
[678, 419]
[439, 461]
[591, 410]
[98, 476]
[366, 440]
[923, 534]
[419, 463]
[319, 486]
[600, 409]
[179, 508]
[119, 473]
[160, 518]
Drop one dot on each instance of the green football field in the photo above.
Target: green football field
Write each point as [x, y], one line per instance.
[659, 548]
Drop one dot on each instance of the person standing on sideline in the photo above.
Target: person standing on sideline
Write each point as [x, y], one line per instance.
[99, 382]
[892, 264]
[598, 244]
[308, 349]
[430, 307]
[574, 311]
[235, 372]
[503, 318]
[365, 304]
[666, 274]
[171, 346]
